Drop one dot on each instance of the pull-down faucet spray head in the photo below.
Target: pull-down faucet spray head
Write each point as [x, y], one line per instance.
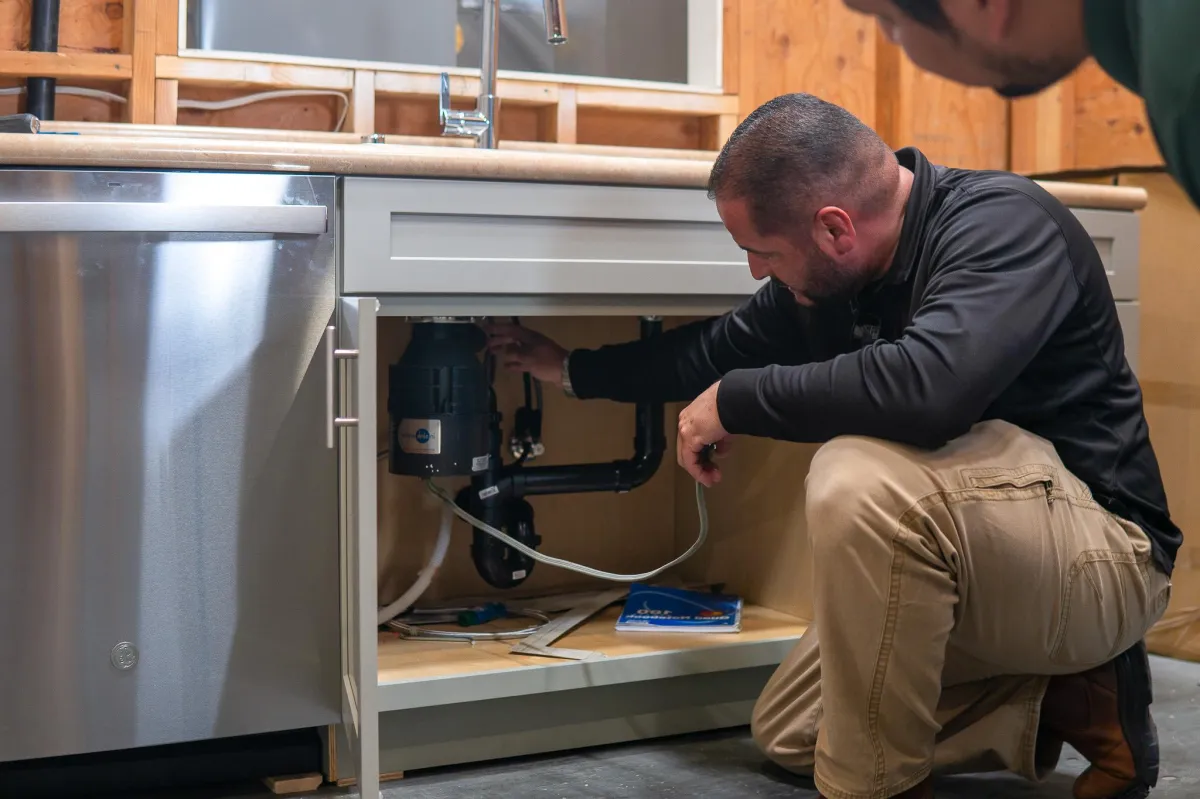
[480, 123]
[556, 21]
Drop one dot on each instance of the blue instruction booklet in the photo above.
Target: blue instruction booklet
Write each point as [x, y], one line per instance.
[661, 609]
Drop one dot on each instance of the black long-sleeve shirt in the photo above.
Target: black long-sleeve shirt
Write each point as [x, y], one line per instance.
[997, 306]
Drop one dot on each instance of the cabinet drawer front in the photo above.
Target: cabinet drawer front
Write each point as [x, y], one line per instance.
[1115, 234]
[449, 236]
[1130, 316]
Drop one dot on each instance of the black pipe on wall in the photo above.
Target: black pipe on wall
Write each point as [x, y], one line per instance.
[649, 444]
[43, 38]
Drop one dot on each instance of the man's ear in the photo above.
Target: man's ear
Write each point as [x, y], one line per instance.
[833, 231]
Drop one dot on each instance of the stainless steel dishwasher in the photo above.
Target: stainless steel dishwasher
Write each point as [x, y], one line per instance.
[169, 550]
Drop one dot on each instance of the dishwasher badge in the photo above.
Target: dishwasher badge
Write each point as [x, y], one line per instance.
[420, 436]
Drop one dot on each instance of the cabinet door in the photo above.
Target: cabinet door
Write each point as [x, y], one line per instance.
[357, 465]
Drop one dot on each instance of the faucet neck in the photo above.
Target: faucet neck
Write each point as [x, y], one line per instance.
[489, 65]
[480, 123]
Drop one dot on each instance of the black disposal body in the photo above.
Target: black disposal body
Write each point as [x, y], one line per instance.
[439, 402]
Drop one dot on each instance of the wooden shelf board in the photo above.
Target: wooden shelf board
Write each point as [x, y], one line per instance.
[248, 73]
[426, 673]
[554, 79]
[664, 102]
[93, 66]
[408, 84]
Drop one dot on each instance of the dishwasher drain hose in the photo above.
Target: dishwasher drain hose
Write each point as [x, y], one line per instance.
[451, 509]
[405, 600]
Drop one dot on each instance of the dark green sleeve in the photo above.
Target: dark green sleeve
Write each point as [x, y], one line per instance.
[1152, 48]
[1170, 69]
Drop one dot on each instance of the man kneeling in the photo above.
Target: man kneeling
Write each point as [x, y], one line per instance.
[989, 528]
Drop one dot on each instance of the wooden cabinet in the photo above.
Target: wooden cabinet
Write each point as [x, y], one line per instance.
[411, 705]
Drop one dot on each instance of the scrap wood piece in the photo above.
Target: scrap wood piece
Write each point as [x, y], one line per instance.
[351, 782]
[295, 783]
[540, 642]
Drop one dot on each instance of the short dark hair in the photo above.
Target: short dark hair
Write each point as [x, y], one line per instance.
[795, 154]
[926, 12]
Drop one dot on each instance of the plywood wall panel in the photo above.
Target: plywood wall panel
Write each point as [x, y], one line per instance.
[521, 123]
[70, 107]
[951, 124]
[418, 116]
[410, 116]
[1111, 125]
[758, 547]
[85, 26]
[14, 24]
[819, 47]
[598, 126]
[1084, 123]
[956, 126]
[814, 46]
[319, 113]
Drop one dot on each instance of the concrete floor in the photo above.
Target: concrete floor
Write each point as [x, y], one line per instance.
[727, 765]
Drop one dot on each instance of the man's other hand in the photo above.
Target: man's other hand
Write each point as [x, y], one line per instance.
[699, 426]
[524, 350]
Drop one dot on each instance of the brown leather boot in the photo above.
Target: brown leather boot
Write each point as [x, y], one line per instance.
[1105, 714]
[922, 790]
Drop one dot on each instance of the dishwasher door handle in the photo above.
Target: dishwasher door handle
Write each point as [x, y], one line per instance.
[106, 217]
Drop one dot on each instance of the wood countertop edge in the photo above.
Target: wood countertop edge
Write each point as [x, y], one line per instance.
[524, 162]
[384, 160]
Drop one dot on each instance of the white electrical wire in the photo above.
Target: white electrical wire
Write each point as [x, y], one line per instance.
[207, 105]
[402, 603]
[701, 510]
[237, 102]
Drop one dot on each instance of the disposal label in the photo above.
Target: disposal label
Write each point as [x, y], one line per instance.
[420, 436]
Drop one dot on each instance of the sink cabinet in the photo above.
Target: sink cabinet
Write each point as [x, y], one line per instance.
[580, 263]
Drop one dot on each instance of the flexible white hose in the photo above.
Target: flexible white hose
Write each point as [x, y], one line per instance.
[701, 509]
[206, 105]
[405, 600]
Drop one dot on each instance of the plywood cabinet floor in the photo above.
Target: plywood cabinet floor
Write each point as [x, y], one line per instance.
[401, 660]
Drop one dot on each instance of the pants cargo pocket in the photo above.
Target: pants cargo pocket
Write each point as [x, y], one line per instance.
[1017, 479]
[1105, 609]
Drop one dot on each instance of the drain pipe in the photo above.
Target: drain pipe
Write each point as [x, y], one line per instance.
[43, 38]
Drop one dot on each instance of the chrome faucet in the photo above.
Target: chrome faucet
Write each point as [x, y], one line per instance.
[480, 123]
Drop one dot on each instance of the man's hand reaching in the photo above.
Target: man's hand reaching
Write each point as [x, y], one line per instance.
[701, 436]
[700, 426]
[524, 350]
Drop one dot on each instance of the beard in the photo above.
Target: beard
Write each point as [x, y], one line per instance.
[1025, 77]
[827, 282]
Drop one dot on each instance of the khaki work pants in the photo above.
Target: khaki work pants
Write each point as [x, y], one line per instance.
[948, 587]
